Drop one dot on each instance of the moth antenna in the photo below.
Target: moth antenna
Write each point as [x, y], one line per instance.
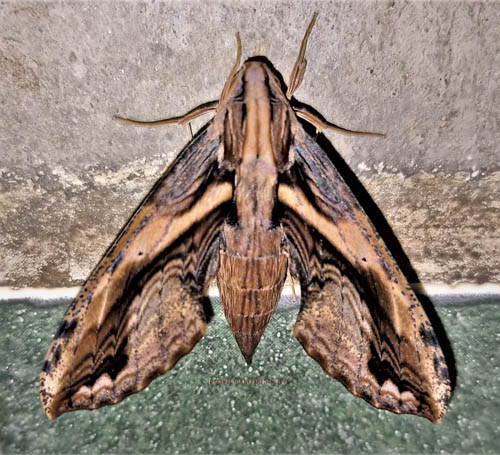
[300, 65]
[321, 125]
[186, 118]
[234, 70]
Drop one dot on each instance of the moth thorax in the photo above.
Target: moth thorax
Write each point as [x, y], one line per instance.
[251, 275]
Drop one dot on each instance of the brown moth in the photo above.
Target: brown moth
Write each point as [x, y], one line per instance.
[251, 197]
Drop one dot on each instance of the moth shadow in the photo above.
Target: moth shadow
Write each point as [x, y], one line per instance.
[441, 336]
[383, 228]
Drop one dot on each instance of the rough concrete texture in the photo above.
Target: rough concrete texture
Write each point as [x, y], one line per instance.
[427, 73]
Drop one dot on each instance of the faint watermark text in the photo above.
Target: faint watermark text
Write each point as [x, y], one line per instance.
[252, 381]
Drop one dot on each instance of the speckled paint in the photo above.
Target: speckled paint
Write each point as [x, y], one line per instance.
[287, 405]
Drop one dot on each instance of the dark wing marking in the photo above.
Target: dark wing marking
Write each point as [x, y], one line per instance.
[142, 308]
[359, 317]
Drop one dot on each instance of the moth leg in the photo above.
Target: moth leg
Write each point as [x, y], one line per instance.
[300, 65]
[189, 131]
[324, 125]
[294, 295]
[191, 115]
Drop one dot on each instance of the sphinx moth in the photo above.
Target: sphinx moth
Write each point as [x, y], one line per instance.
[251, 197]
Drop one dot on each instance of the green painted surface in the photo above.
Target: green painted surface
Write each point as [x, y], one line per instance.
[183, 412]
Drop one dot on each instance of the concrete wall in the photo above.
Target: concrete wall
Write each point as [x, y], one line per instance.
[427, 73]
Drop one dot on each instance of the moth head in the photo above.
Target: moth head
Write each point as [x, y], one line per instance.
[254, 102]
[256, 79]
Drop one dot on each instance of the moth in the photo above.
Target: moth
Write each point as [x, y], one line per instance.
[251, 197]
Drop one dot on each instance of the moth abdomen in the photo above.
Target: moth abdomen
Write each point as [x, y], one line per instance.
[247, 308]
[252, 271]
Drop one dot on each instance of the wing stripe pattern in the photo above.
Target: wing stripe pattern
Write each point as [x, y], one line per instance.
[143, 306]
[359, 318]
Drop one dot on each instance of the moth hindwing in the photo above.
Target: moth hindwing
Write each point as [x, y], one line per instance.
[251, 196]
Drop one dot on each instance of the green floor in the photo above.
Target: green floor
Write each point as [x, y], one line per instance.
[307, 413]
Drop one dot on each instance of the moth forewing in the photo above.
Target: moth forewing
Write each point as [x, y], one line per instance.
[142, 307]
[250, 197]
